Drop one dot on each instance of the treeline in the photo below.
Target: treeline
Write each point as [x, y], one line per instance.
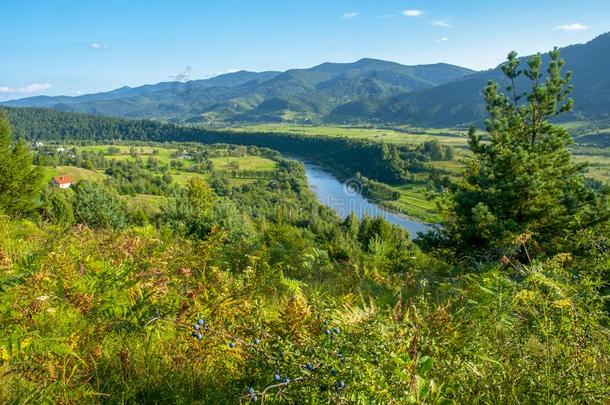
[378, 161]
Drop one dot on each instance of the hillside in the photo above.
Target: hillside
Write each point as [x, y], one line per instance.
[322, 92]
[461, 101]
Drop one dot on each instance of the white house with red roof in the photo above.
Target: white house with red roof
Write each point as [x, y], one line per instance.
[63, 181]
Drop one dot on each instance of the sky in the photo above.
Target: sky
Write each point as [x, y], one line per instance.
[64, 47]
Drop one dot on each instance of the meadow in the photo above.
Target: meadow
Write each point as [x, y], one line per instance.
[399, 135]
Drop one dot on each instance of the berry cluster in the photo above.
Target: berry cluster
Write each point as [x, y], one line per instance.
[201, 325]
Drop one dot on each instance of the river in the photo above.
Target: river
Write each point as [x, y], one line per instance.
[344, 198]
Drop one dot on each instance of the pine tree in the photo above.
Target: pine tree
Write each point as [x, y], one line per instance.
[20, 181]
[522, 183]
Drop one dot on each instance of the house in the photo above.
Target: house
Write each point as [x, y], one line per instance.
[62, 181]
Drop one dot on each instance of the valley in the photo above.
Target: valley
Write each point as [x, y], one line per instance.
[280, 218]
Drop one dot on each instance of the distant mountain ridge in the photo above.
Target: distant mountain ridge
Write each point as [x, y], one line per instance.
[460, 102]
[366, 91]
[315, 94]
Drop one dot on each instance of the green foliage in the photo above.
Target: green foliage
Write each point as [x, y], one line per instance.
[20, 181]
[237, 294]
[56, 206]
[96, 313]
[97, 206]
[522, 183]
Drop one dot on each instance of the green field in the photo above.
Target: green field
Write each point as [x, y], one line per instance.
[417, 202]
[402, 135]
[77, 173]
[254, 163]
[164, 155]
[598, 160]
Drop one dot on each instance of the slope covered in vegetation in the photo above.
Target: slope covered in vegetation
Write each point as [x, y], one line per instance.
[256, 293]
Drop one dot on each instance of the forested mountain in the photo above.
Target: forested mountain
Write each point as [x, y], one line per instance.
[161, 100]
[461, 101]
[328, 91]
[438, 95]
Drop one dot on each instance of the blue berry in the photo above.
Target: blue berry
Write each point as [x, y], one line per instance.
[336, 330]
[328, 332]
[232, 345]
[309, 366]
[277, 377]
[200, 321]
[250, 390]
[196, 326]
[340, 384]
[199, 336]
[256, 341]
[333, 372]
[254, 398]
[287, 380]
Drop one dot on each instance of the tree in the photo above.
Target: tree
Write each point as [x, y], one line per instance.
[200, 196]
[56, 206]
[20, 181]
[522, 183]
[98, 207]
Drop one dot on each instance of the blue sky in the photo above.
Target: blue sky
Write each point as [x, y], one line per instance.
[75, 47]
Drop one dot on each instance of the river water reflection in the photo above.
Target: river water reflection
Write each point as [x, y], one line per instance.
[344, 198]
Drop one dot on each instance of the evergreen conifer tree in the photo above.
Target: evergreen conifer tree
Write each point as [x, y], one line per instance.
[522, 183]
[20, 181]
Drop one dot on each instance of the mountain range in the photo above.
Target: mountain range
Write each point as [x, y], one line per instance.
[368, 90]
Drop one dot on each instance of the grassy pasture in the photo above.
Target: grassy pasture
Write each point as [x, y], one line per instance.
[77, 173]
[417, 202]
[255, 163]
[406, 135]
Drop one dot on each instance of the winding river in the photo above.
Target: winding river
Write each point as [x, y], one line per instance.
[344, 198]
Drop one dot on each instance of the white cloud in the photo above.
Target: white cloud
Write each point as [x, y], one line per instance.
[95, 45]
[30, 88]
[412, 13]
[572, 27]
[34, 88]
[349, 15]
[441, 23]
[182, 76]
[442, 39]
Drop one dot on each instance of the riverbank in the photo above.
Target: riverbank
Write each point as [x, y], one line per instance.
[345, 197]
[421, 208]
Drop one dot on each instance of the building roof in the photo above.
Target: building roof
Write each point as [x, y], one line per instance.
[63, 179]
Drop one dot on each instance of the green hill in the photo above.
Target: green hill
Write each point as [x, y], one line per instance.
[295, 95]
[461, 101]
